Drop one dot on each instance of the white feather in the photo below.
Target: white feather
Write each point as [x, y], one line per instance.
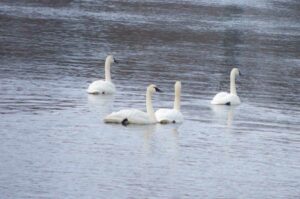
[135, 116]
[171, 115]
[105, 87]
[224, 98]
[101, 87]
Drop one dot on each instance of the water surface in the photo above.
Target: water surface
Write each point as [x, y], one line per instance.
[55, 145]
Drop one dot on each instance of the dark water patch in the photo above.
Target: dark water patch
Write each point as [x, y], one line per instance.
[46, 3]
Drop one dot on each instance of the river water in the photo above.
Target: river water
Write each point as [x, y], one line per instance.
[54, 143]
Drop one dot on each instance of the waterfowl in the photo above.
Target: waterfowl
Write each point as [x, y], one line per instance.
[104, 87]
[135, 116]
[224, 98]
[171, 115]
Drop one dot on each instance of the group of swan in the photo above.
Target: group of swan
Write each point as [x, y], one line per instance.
[135, 116]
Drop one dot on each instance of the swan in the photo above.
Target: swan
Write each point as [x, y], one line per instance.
[104, 86]
[224, 98]
[171, 115]
[135, 116]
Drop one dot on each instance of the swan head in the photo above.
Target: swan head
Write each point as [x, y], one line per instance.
[178, 85]
[235, 72]
[110, 59]
[153, 88]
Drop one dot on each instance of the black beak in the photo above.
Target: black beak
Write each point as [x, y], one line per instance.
[157, 90]
[116, 61]
[240, 73]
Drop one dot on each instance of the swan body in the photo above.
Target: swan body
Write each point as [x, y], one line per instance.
[224, 98]
[129, 116]
[105, 87]
[171, 115]
[165, 115]
[135, 116]
[101, 87]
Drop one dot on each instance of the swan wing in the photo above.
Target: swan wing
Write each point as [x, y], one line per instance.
[169, 116]
[133, 116]
[101, 87]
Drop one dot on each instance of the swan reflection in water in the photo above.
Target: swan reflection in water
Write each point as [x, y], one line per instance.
[164, 137]
[100, 104]
[157, 136]
[224, 114]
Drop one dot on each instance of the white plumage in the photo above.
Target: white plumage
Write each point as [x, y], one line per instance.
[171, 115]
[101, 87]
[135, 116]
[129, 116]
[224, 98]
[105, 87]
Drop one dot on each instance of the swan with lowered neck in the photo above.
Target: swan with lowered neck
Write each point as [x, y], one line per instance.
[104, 86]
[224, 98]
[171, 115]
[135, 116]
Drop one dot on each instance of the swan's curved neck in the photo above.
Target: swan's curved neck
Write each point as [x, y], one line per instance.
[232, 84]
[177, 98]
[107, 71]
[150, 110]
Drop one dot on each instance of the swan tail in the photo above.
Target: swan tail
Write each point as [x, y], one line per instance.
[109, 120]
[112, 120]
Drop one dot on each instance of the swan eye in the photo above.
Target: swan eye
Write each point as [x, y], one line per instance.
[157, 89]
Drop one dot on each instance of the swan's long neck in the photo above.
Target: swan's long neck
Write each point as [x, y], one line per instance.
[232, 83]
[177, 98]
[150, 110]
[107, 71]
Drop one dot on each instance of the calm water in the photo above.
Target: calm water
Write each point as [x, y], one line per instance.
[55, 145]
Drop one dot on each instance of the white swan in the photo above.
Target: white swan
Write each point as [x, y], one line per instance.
[224, 98]
[135, 116]
[171, 115]
[104, 86]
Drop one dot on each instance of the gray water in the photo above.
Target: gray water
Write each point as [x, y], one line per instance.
[54, 143]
